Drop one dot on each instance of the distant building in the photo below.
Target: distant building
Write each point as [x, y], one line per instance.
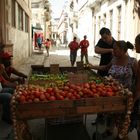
[41, 20]
[15, 29]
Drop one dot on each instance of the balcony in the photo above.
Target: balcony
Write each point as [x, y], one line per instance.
[93, 3]
[74, 16]
[37, 4]
[47, 16]
[47, 6]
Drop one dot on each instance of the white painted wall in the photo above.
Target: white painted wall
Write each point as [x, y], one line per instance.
[20, 40]
[86, 28]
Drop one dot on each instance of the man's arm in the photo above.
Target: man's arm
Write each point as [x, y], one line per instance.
[69, 45]
[20, 74]
[100, 50]
[87, 43]
[103, 67]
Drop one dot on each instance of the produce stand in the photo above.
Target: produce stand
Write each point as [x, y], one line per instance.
[22, 112]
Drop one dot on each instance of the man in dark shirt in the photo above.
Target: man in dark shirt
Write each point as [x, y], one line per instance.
[105, 48]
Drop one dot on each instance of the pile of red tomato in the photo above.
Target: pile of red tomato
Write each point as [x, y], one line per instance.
[67, 92]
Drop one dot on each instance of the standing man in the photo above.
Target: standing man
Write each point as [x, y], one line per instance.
[84, 49]
[105, 48]
[39, 41]
[73, 45]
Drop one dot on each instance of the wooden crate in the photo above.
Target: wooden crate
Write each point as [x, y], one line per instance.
[67, 108]
[40, 68]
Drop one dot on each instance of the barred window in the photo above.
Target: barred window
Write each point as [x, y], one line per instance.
[13, 14]
[111, 20]
[26, 23]
[20, 18]
[119, 21]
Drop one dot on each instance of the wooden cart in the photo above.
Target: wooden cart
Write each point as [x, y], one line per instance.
[68, 108]
[65, 108]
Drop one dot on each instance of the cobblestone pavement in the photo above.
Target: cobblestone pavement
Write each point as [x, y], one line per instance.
[61, 57]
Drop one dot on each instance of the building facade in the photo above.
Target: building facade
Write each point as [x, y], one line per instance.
[15, 32]
[117, 15]
[87, 17]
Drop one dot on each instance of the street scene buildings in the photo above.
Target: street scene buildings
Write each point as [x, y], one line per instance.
[26, 23]
[23, 20]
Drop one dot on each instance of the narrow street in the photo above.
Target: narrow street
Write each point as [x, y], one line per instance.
[61, 57]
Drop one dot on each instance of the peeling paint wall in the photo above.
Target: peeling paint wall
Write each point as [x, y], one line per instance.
[17, 40]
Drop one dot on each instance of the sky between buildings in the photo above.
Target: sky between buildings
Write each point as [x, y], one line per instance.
[57, 6]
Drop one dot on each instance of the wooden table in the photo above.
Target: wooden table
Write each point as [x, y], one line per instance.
[64, 108]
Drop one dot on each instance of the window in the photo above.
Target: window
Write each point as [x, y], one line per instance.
[13, 14]
[111, 20]
[119, 21]
[76, 24]
[104, 19]
[94, 29]
[99, 22]
[99, 25]
[26, 23]
[53, 35]
[20, 18]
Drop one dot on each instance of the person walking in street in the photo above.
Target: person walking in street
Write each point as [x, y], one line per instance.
[47, 45]
[104, 47]
[73, 45]
[84, 44]
[39, 41]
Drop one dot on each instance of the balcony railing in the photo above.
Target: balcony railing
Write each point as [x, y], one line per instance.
[92, 3]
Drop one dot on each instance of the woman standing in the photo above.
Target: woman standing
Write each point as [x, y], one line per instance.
[122, 68]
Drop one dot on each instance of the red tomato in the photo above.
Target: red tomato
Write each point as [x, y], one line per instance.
[36, 100]
[42, 97]
[86, 85]
[69, 94]
[22, 99]
[47, 95]
[37, 94]
[81, 93]
[63, 94]
[49, 90]
[52, 98]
